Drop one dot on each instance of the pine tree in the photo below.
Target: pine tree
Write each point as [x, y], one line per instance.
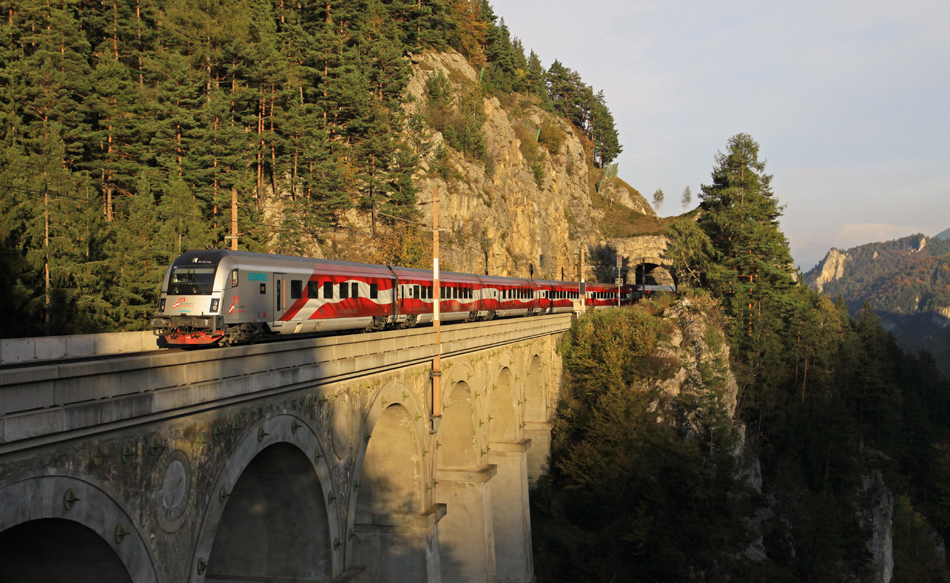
[741, 219]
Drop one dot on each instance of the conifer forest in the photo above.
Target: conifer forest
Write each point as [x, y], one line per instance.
[128, 126]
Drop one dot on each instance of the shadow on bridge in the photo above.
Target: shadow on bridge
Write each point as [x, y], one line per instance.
[53, 550]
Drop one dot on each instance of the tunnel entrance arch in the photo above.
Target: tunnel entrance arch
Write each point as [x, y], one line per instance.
[651, 272]
[275, 524]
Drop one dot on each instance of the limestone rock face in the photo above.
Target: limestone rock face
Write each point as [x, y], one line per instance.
[630, 200]
[703, 354]
[499, 213]
[875, 512]
[832, 268]
[503, 214]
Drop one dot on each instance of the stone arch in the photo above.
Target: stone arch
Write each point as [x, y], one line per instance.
[390, 534]
[38, 508]
[505, 422]
[416, 419]
[657, 272]
[457, 442]
[391, 476]
[285, 473]
[275, 523]
[80, 554]
[535, 394]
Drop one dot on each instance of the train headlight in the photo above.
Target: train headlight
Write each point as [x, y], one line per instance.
[214, 305]
[161, 305]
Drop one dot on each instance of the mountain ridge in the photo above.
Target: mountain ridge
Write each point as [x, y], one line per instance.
[907, 283]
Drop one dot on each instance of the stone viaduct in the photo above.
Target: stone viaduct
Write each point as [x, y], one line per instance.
[303, 460]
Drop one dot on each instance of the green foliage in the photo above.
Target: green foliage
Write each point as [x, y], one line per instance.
[906, 281]
[689, 250]
[827, 399]
[658, 198]
[551, 137]
[531, 152]
[633, 496]
[916, 557]
[148, 116]
[460, 120]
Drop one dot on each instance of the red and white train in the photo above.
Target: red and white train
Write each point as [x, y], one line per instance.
[230, 297]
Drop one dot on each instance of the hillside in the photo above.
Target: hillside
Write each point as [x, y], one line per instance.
[322, 128]
[532, 195]
[906, 281]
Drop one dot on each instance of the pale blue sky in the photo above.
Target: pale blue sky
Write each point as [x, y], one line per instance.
[848, 100]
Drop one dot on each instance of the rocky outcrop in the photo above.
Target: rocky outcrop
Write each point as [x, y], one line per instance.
[507, 214]
[832, 268]
[617, 193]
[499, 212]
[701, 348]
[875, 510]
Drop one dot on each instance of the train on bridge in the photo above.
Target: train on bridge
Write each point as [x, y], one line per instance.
[231, 297]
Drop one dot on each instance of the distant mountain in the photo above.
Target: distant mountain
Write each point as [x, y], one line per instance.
[906, 281]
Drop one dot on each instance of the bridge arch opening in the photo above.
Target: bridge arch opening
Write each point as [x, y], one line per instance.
[505, 423]
[459, 447]
[275, 525]
[50, 550]
[391, 479]
[390, 538]
[536, 406]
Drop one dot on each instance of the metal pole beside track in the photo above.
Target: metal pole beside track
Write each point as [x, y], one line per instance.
[437, 360]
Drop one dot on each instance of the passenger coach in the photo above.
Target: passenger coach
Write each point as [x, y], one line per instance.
[229, 297]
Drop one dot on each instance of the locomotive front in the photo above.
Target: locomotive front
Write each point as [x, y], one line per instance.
[190, 304]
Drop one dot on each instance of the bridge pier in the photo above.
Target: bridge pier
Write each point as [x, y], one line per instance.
[537, 457]
[466, 534]
[511, 515]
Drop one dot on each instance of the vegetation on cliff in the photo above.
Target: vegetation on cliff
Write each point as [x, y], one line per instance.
[830, 417]
[127, 127]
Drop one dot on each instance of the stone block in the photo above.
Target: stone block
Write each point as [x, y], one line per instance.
[81, 345]
[33, 424]
[49, 348]
[17, 350]
[17, 398]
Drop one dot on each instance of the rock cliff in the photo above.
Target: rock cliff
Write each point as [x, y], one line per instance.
[515, 216]
[831, 268]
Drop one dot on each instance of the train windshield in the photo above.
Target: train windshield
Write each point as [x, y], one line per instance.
[191, 280]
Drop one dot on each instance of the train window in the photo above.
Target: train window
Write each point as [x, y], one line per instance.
[263, 288]
[234, 278]
[373, 291]
[296, 289]
[313, 289]
[354, 290]
[280, 297]
[455, 293]
[328, 290]
[430, 296]
[344, 291]
[416, 290]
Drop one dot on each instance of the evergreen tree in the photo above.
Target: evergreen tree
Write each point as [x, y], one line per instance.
[741, 219]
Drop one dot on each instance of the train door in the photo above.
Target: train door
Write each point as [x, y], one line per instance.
[280, 295]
